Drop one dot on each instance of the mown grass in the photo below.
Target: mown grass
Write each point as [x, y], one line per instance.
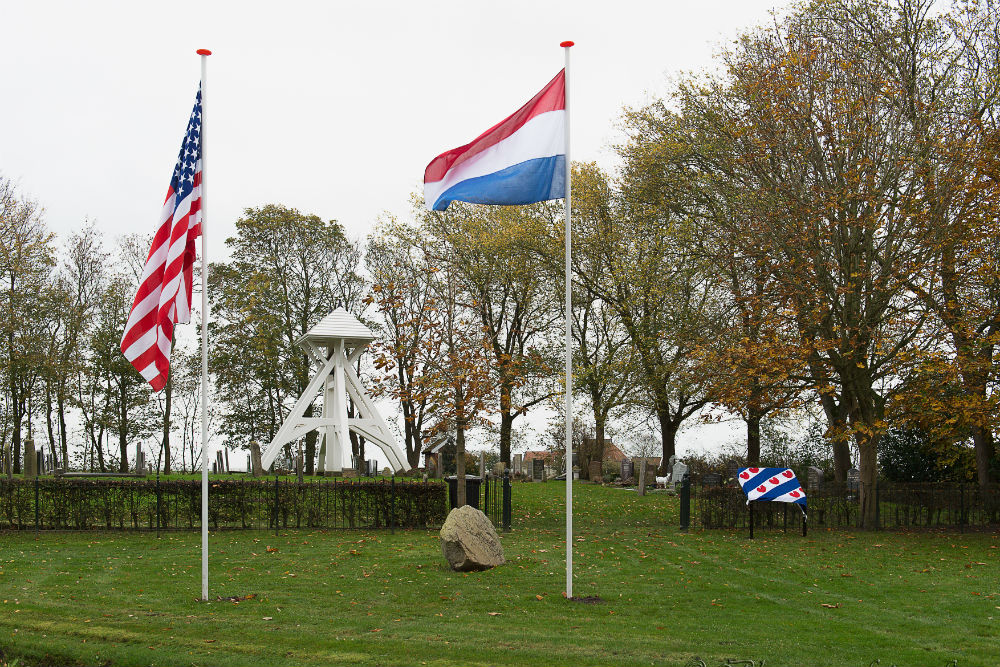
[376, 598]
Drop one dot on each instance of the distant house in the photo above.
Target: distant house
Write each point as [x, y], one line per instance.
[611, 451]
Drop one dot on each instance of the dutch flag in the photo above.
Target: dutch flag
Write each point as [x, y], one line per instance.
[520, 160]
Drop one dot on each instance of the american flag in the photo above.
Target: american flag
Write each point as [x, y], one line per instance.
[774, 484]
[164, 296]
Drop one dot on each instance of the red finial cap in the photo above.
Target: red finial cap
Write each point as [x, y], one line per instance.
[204, 52]
[566, 44]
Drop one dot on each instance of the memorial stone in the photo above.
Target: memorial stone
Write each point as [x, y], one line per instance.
[628, 471]
[853, 479]
[814, 479]
[678, 472]
[255, 466]
[711, 479]
[537, 470]
[596, 472]
[642, 477]
[30, 460]
[517, 464]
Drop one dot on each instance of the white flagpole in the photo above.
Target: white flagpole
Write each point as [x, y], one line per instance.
[569, 347]
[204, 53]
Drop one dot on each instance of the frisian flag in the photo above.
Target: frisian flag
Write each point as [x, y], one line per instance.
[520, 160]
[774, 484]
[164, 295]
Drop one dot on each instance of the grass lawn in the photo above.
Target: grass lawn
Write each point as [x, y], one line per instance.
[375, 598]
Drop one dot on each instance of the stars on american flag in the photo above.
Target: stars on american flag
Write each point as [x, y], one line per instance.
[182, 180]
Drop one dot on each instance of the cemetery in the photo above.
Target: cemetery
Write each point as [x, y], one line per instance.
[666, 596]
[711, 380]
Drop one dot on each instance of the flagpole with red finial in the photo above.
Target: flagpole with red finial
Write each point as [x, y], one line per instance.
[204, 53]
[569, 343]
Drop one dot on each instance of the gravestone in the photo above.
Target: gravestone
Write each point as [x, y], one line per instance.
[679, 470]
[628, 470]
[853, 479]
[517, 464]
[350, 473]
[642, 477]
[711, 479]
[255, 467]
[596, 472]
[30, 460]
[537, 470]
[732, 471]
[814, 479]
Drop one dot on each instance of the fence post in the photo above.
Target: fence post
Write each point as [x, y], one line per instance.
[506, 501]
[275, 505]
[961, 509]
[685, 501]
[157, 502]
[486, 494]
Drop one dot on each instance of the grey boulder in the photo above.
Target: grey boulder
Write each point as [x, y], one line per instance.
[469, 541]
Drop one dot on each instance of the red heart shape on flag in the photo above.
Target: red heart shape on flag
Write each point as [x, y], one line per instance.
[788, 473]
[794, 494]
[755, 470]
[773, 480]
[762, 488]
[744, 475]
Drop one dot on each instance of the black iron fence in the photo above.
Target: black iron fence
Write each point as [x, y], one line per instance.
[910, 506]
[490, 494]
[116, 504]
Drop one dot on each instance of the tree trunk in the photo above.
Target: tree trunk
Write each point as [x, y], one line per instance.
[50, 427]
[668, 434]
[867, 447]
[753, 437]
[506, 428]
[165, 443]
[15, 442]
[983, 440]
[459, 466]
[63, 444]
[837, 415]
[310, 445]
[123, 427]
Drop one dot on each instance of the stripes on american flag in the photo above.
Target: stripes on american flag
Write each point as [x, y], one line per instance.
[774, 484]
[164, 295]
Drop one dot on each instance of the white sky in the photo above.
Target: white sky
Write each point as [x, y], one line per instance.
[334, 108]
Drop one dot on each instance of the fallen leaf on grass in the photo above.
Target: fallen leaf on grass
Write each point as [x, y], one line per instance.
[830, 606]
[272, 550]
[209, 641]
[493, 613]
[538, 597]
[269, 618]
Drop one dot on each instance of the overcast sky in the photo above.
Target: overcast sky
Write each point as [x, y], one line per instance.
[333, 108]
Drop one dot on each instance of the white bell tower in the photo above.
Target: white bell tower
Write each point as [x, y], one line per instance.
[334, 345]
